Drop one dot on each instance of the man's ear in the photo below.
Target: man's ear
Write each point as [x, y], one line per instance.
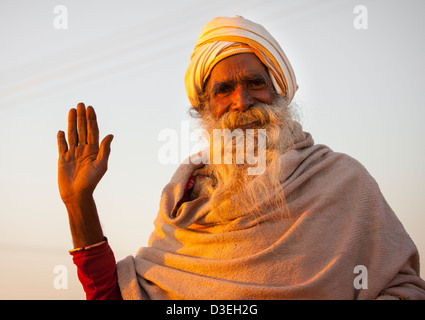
[195, 112]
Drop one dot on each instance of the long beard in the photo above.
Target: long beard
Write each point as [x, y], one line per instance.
[237, 192]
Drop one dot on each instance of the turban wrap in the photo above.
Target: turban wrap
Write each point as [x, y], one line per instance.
[223, 37]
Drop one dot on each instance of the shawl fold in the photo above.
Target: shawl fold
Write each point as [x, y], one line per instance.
[334, 220]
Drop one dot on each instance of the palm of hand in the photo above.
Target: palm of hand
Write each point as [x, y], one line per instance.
[83, 163]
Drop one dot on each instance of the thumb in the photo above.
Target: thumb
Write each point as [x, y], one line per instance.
[104, 150]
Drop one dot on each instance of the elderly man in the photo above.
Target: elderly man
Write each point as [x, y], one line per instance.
[312, 225]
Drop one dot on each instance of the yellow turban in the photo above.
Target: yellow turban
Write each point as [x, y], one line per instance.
[223, 37]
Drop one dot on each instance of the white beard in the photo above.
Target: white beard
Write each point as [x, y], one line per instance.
[236, 190]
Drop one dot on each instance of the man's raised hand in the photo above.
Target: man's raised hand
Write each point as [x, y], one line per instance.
[82, 163]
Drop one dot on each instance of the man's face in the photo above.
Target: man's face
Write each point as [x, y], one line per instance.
[238, 82]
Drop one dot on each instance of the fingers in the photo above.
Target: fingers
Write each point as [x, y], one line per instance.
[104, 150]
[62, 145]
[82, 123]
[92, 128]
[86, 122]
[72, 128]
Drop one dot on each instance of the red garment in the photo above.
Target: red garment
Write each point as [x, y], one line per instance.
[96, 268]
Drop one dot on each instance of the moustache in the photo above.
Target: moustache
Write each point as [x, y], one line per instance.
[258, 116]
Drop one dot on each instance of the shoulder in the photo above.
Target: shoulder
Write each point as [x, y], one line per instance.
[348, 173]
[321, 162]
[345, 183]
[321, 171]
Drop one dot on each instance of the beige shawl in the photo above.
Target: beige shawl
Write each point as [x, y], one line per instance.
[337, 220]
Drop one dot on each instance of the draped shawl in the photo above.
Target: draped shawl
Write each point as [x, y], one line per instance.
[335, 221]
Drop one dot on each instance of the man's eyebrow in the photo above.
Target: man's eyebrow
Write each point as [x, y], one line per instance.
[220, 84]
[255, 77]
[248, 78]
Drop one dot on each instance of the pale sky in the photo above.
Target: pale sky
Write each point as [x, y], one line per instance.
[360, 93]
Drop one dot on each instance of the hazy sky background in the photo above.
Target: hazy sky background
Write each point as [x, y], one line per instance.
[361, 92]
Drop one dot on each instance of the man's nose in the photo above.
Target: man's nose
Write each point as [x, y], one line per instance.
[241, 99]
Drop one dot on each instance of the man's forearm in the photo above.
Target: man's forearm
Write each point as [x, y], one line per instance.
[84, 221]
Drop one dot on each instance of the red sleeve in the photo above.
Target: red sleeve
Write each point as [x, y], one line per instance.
[96, 268]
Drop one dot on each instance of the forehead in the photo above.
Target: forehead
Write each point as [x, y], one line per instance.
[237, 67]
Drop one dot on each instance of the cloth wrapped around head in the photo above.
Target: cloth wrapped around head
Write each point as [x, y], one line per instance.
[223, 37]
